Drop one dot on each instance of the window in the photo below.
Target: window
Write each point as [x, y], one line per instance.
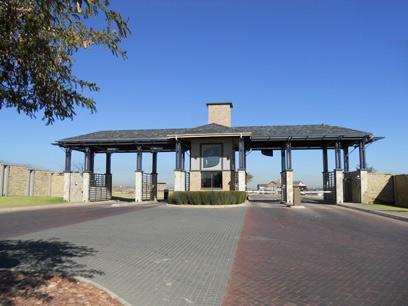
[211, 156]
[211, 179]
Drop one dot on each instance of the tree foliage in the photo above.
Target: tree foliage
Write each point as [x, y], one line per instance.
[38, 39]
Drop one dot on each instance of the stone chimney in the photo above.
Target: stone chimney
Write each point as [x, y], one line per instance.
[219, 113]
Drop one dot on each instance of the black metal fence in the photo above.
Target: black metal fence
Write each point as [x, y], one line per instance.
[100, 187]
[147, 190]
[329, 186]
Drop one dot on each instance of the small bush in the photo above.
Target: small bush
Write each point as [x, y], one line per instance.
[207, 197]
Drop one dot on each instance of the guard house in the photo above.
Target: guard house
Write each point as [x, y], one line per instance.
[212, 149]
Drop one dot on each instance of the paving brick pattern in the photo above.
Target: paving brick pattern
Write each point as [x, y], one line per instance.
[159, 256]
[320, 255]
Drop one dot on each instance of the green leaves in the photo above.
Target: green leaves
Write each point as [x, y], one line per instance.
[37, 41]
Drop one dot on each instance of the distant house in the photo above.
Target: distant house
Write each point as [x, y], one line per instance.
[300, 184]
[271, 187]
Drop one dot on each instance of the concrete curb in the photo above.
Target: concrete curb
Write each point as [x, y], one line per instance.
[95, 284]
[207, 206]
[376, 212]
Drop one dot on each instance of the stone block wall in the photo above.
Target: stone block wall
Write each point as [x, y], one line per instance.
[401, 190]
[19, 180]
[195, 180]
[380, 188]
[42, 183]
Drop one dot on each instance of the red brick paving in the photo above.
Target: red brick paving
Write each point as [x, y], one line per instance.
[320, 255]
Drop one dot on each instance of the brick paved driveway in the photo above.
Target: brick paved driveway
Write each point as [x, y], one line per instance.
[320, 255]
[154, 256]
[265, 254]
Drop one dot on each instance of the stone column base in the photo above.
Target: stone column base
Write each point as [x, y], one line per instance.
[241, 180]
[179, 180]
[67, 186]
[339, 176]
[86, 177]
[287, 186]
[138, 186]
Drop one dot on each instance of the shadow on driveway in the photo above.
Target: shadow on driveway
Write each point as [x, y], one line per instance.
[26, 265]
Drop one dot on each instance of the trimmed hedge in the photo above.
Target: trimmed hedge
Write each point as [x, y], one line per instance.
[207, 197]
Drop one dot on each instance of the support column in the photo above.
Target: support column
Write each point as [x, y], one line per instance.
[1, 179]
[179, 174]
[68, 155]
[325, 174]
[86, 180]
[139, 178]
[346, 159]
[287, 175]
[363, 186]
[242, 166]
[338, 155]
[108, 164]
[339, 176]
[283, 175]
[87, 160]
[92, 162]
[30, 183]
[154, 175]
[363, 165]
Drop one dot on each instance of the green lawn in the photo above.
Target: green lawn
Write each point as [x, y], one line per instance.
[21, 201]
[385, 207]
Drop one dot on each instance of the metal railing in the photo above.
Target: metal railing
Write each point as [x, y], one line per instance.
[100, 187]
[147, 190]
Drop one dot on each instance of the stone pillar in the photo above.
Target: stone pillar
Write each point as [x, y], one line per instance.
[241, 180]
[139, 177]
[363, 186]
[6, 180]
[179, 180]
[289, 187]
[339, 176]
[138, 186]
[67, 186]
[30, 182]
[1, 179]
[325, 174]
[86, 177]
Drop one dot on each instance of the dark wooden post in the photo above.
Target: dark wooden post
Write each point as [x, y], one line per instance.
[139, 158]
[288, 156]
[325, 161]
[242, 159]
[87, 162]
[338, 155]
[92, 162]
[362, 155]
[346, 159]
[283, 160]
[108, 163]
[179, 156]
[154, 162]
[68, 155]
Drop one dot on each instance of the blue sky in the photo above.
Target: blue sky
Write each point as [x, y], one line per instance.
[280, 62]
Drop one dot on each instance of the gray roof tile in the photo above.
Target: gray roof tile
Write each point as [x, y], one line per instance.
[280, 131]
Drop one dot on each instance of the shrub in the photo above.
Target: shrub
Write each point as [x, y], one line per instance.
[207, 197]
